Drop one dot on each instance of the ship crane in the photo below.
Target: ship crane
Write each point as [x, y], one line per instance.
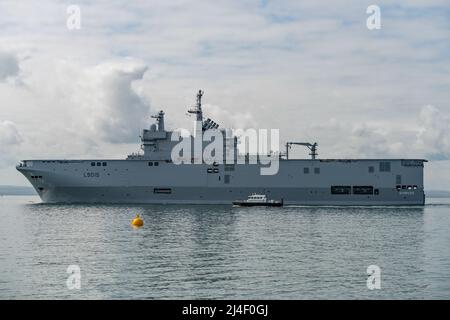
[311, 146]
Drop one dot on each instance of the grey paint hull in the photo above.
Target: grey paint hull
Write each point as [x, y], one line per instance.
[129, 181]
[189, 195]
[154, 176]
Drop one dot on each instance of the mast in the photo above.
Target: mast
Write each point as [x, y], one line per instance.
[159, 120]
[197, 110]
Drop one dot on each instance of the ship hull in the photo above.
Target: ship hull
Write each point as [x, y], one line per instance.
[145, 195]
[328, 182]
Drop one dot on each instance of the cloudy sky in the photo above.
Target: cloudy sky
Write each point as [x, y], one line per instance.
[310, 68]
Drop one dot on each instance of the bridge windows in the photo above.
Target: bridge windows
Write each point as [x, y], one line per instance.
[151, 164]
[104, 164]
[92, 164]
[305, 170]
[316, 170]
[99, 164]
[371, 169]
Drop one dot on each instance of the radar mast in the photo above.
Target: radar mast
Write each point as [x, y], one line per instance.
[197, 109]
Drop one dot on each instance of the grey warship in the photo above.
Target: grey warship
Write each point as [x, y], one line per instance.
[151, 176]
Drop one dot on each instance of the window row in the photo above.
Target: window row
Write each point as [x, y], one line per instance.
[98, 164]
[405, 187]
[316, 170]
[151, 164]
[355, 189]
[162, 190]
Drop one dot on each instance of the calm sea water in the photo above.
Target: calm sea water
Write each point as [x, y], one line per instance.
[218, 252]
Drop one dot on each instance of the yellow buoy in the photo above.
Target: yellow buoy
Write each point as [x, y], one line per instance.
[137, 222]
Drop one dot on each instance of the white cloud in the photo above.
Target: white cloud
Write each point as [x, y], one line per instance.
[314, 72]
[10, 139]
[69, 109]
[110, 104]
[434, 133]
[427, 137]
[229, 119]
[9, 135]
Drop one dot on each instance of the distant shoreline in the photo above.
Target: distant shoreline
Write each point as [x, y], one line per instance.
[17, 191]
[437, 194]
